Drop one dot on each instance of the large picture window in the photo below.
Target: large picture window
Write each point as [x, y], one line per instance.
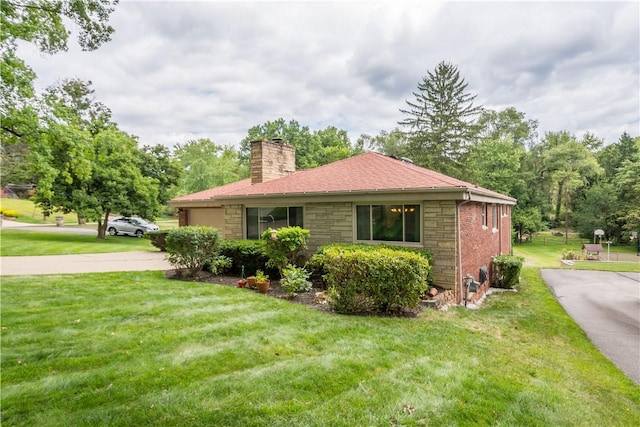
[392, 223]
[259, 219]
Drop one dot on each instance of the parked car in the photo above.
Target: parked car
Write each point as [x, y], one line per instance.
[131, 226]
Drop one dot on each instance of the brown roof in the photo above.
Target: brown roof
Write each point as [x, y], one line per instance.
[362, 173]
[214, 192]
[592, 248]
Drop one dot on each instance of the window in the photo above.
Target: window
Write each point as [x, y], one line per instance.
[259, 219]
[391, 223]
[484, 214]
[494, 216]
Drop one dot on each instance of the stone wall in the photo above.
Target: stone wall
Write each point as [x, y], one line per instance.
[328, 222]
[233, 222]
[439, 236]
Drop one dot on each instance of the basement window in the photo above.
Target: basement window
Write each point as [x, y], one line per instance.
[259, 219]
[388, 223]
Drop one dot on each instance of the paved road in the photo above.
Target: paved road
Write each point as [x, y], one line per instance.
[15, 225]
[607, 306]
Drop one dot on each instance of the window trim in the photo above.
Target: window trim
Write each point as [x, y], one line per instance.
[403, 242]
[484, 215]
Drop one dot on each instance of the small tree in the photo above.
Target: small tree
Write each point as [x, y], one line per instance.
[285, 245]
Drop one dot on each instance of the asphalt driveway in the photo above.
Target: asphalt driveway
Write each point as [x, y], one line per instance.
[606, 305]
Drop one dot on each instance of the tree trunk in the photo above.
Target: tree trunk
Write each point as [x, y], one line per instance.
[102, 226]
[566, 218]
[559, 204]
[81, 219]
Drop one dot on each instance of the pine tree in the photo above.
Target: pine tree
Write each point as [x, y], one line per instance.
[440, 120]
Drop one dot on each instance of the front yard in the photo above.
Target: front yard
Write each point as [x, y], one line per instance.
[139, 349]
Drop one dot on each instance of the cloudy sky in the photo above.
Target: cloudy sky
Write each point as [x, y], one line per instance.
[181, 70]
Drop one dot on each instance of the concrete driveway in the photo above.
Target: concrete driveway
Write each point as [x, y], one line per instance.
[606, 305]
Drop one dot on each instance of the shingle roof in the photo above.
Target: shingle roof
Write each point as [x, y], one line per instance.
[365, 172]
[215, 191]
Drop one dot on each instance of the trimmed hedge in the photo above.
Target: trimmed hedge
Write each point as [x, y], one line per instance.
[372, 279]
[506, 270]
[248, 253]
[158, 239]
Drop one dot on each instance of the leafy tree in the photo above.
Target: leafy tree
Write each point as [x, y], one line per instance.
[597, 209]
[440, 120]
[392, 143]
[312, 148]
[527, 221]
[612, 156]
[508, 123]
[42, 23]
[158, 163]
[206, 165]
[628, 185]
[495, 164]
[571, 166]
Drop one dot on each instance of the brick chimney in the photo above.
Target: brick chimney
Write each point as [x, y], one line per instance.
[271, 159]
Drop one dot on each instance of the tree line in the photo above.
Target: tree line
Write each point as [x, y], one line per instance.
[67, 142]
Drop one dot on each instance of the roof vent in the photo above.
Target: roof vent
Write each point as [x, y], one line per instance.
[406, 159]
[277, 139]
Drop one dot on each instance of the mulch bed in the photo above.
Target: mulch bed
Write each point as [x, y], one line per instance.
[275, 290]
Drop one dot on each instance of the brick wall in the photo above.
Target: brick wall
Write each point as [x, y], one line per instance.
[480, 243]
[233, 222]
[271, 160]
[440, 238]
[328, 222]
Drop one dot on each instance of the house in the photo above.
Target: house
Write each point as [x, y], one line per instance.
[369, 198]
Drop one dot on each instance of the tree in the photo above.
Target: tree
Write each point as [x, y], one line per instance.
[158, 163]
[392, 143]
[206, 165]
[495, 164]
[312, 148]
[571, 166]
[42, 23]
[527, 221]
[440, 120]
[598, 210]
[508, 123]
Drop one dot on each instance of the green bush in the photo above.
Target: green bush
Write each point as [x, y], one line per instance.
[191, 248]
[250, 254]
[365, 279]
[11, 213]
[295, 279]
[316, 266]
[506, 272]
[285, 245]
[158, 239]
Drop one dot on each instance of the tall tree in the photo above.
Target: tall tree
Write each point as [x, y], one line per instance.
[42, 23]
[440, 120]
[392, 143]
[312, 148]
[206, 165]
[571, 166]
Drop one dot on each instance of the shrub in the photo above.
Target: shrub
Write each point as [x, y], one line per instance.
[158, 239]
[11, 213]
[285, 245]
[191, 248]
[295, 279]
[381, 279]
[250, 254]
[506, 270]
[316, 263]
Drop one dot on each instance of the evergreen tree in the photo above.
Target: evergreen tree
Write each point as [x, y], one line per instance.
[440, 120]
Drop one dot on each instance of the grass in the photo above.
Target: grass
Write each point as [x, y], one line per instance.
[138, 349]
[545, 251]
[31, 214]
[28, 243]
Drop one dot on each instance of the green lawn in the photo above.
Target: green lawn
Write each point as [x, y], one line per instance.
[546, 252]
[29, 213]
[27, 243]
[128, 349]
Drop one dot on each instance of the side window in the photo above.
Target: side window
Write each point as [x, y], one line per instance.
[494, 216]
[484, 214]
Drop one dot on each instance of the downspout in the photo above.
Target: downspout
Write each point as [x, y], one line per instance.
[460, 287]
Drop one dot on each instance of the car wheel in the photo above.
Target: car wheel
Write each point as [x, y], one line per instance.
[112, 231]
[139, 233]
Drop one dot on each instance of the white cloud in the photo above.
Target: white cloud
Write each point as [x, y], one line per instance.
[181, 70]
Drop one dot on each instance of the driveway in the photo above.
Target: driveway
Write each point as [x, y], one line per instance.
[606, 305]
[15, 225]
